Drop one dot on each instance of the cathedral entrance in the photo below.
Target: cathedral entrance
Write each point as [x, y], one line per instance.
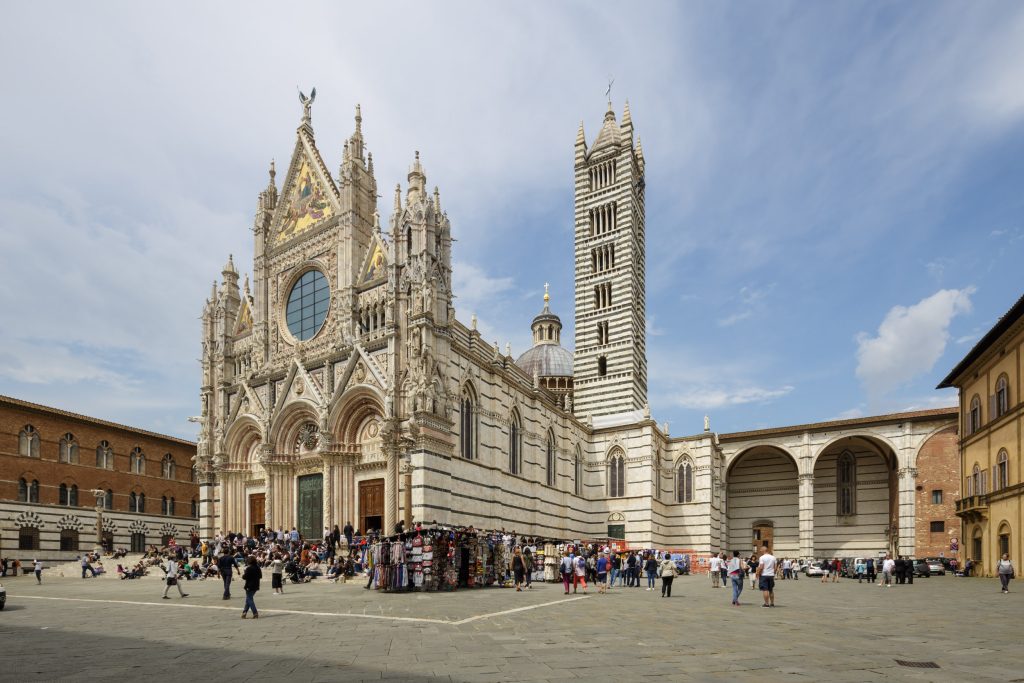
[371, 504]
[763, 536]
[257, 513]
[311, 506]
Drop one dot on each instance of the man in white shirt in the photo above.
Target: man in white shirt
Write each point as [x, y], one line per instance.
[716, 570]
[787, 569]
[766, 577]
[888, 566]
[172, 577]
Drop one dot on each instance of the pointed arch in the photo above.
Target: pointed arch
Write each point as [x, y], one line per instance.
[577, 471]
[684, 480]
[137, 461]
[515, 442]
[167, 467]
[551, 459]
[105, 455]
[68, 449]
[846, 484]
[467, 421]
[28, 442]
[616, 472]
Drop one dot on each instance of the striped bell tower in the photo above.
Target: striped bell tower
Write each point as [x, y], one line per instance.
[610, 364]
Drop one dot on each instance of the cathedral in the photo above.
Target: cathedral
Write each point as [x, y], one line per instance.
[339, 386]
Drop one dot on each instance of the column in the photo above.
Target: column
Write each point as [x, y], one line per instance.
[907, 511]
[207, 512]
[391, 490]
[407, 494]
[266, 453]
[806, 516]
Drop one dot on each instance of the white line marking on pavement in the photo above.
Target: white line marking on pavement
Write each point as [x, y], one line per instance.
[517, 609]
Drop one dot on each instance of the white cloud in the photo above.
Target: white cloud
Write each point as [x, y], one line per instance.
[706, 397]
[730, 320]
[909, 341]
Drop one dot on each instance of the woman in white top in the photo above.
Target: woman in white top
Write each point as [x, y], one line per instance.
[1005, 571]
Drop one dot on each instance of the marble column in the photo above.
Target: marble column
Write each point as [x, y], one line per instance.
[391, 489]
[407, 494]
[907, 511]
[806, 515]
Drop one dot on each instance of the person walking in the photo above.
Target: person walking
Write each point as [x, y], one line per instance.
[888, 566]
[651, 569]
[722, 568]
[172, 578]
[872, 575]
[1006, 572]
[616, 569]
[752, 571]
[581, 573]
[861, 569]
[518, 568]
[528, 564]
[566, 569]
[225, 565]
[766, 577]
[602, 573]
[37, 567]
[826, 569]
[715, 570]
[735, 568]
[667, 569]
[86, 567]
[251, 576]
[276, 574]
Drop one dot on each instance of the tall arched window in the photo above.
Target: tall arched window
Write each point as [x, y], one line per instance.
[1002, 477]
[515, 444]
[684, 482]
[28, 442]
[140, 503]
[974, 417]
[108, 499]
[73, 495]
[68, 449]
[105, 456]
[167, 467]
[846, 484]
[1002, 396]
[22, 491]
[195, 508]
[467, 427]
[163, 505]
[976, 477]
[552, 472]
[137, 461]
[33, 491]
[62, 494]
[578, 473]
[617, 475]
[170, 507]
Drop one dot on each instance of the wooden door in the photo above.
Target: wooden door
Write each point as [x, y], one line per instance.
[764, 535]
[371, 505]
[257, 513]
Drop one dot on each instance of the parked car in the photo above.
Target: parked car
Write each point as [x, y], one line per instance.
[922, 569]
[814, 569]
[936, 566]
[3, 596]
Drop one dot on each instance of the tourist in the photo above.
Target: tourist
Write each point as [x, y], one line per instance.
[616, 569]
[826, 569]
[898, 567]
[631, 570]
[251, 576]
[651, 570]
[888, 566]
[861, 569]
[528, 563]
[872, 574]
[837, 565]
[566, 569]
[715, 570]
[766, 577]
[752, 570]
[722, 567]
[225, 564]
[1006, 572]
[518, 569]
[668, 572]
[736, 575]
[581, 573]
[602, 573]
[276, 570]
[787, 568]
[172, 577]
[38, 568]
[86, 567]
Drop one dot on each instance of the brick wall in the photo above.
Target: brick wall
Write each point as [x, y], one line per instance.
[938, 469]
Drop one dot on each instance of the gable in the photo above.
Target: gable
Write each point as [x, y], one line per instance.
[305, 206]
[243, 323]
[375, 263]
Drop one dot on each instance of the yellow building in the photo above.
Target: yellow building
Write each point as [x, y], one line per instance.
[990, 379]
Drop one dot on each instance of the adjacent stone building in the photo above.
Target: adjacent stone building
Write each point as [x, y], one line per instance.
[60, 472]
[989, 379]
[340, 386]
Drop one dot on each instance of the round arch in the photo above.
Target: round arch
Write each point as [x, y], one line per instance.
[880, 443]
[351, 410]
[734, 459]
[285, 427]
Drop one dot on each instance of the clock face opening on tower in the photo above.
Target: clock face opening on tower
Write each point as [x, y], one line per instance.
[307, 305]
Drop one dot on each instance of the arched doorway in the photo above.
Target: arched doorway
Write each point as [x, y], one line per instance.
[762, 501]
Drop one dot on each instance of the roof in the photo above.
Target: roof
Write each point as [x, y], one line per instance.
[546, 360]
[609, 133]
[105, 423]
[1004, 324]
[950, 412]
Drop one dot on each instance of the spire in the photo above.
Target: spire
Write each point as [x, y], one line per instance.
[437, 200]
[398, 199]
[369, 163]
[273, 174]
[581, 139]
[245, 288]
[547, 298]
[627, 120]
[359, 120]
[229, 270]
[417, 180]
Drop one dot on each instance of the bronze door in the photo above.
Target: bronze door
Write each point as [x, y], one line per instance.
[371, 505]
[257, 513]
[311, 506]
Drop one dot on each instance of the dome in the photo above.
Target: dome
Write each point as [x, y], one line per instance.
[546, 360]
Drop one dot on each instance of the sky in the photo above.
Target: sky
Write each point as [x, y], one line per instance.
[834, 207]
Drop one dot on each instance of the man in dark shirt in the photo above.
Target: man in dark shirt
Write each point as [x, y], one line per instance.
[225, 565]
[348, 532]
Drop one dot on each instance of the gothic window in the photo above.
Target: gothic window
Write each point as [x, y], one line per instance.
[28, 442]
[33, 491]
[167, 469]
[22, 491]
[515, 444]
[846, 484]
[163, 505]
[578, 473]
[1002, 475]
[551, 460]
[73, 495]
[617, 475]
[105, 456]
[974, 417]
[602, 366]
[684, 482]
[1002, 396]
[467, 432]
[976, 477]
[62, 494]
[137, 502]
[195, 508]
[137, 461]
[170, 507]
[108, 500]
[68, 449]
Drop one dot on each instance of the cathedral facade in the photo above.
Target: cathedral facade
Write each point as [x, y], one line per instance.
[340, 387]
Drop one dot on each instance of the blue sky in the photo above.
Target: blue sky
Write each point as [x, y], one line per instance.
[834, 202]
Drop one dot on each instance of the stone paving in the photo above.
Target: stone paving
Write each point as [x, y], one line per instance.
[109, 629]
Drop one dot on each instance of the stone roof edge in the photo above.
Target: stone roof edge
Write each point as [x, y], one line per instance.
[1003, 325]
[10, 400]
[950, 412]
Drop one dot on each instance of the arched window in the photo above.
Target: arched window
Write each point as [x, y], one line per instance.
[467, 430]
[167, 467]
[28, 538]
[551, 460]
[974, 417]
[68, 539]
[33, 491]
[137, 461]
[1002, 476]
[137, 503]
[141, 504]
[163, 505]
[976, 477]
[684, 482]
[105, 456]
[846, 484]
[602, 366]
[62, 494]
[578, 473]
[28, 442]
[73, 495]
[22, 491]
[193, 474]
[170, 507]
[108, 499]
[1002, 396]
[617, 475]
[515, 444]
[195, 508]
[68, 449]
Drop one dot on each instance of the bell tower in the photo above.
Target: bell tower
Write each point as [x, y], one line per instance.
[610, 364]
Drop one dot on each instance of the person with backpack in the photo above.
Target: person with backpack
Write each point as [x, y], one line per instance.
[581, 574]
[667, 569]
[651, 569]
[1004, 568]
[251, 576]
[566, 570]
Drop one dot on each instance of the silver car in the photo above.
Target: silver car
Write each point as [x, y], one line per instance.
[814, 569]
